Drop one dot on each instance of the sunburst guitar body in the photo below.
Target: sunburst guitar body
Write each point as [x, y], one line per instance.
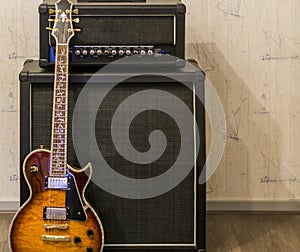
[56, 217]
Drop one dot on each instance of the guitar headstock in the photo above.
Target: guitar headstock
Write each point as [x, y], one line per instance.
[63, 29]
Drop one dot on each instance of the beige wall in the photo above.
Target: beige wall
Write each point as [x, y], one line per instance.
[18, 40]
[250, 53]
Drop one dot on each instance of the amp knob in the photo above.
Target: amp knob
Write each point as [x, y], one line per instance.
[84, 52]
[106, 51]
[135, 51]
[113, 52]
[143, 52]
[150, 52]
[121, 52]
[92, 52]
[128, 52]
[99, 52]
[77, 52]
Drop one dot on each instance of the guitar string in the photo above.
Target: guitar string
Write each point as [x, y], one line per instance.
[61, 71]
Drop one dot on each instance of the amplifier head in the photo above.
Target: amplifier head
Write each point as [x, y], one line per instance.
[110, 31]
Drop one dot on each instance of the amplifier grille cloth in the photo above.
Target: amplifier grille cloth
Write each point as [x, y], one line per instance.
[166, 219]
[135, 30]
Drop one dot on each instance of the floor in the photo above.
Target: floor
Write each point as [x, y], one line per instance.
[231, 232]
[259, 233]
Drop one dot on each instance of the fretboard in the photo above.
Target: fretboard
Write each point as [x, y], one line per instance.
[60, 113]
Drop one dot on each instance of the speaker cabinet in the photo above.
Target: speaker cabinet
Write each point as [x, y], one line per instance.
[172, 221]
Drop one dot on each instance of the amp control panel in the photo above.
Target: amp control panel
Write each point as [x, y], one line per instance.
[115, 51]
[100, 55]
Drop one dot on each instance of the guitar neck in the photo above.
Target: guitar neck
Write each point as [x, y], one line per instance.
[60, 113]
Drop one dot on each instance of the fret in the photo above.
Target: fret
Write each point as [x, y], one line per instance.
[62, 155]
[58, 174]
[57, 164]
[60, 112]
[58, 160]
[63, 124]
[59, 145]
[59, 138]
[63, 88]
[57, 148]
[59, 106]
[62, 64]
[62, 104]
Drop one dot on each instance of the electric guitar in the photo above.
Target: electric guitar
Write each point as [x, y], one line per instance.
[56, 217]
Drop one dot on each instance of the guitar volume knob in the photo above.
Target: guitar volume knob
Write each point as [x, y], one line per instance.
[77, 240]
[90, 233]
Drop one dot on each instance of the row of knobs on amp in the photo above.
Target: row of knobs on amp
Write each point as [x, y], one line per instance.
[113, 52]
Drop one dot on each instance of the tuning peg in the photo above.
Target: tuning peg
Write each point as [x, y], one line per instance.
[75, 11]
[54, 20]
[51, 29]
[76, 20]
[74, 30]
[51, 11]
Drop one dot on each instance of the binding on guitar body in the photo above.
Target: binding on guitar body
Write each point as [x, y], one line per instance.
[56, 216]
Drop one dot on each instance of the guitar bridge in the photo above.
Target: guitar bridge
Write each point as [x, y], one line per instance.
[56, 238]
[56, 213]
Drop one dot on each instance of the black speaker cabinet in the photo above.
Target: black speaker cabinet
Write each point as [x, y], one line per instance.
[172, 221]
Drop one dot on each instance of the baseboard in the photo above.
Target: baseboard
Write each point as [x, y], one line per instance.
[217, 205]
[9, 206]
[253, 206]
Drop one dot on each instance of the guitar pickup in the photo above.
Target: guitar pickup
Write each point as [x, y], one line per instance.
[59, 183]
[56, 213]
